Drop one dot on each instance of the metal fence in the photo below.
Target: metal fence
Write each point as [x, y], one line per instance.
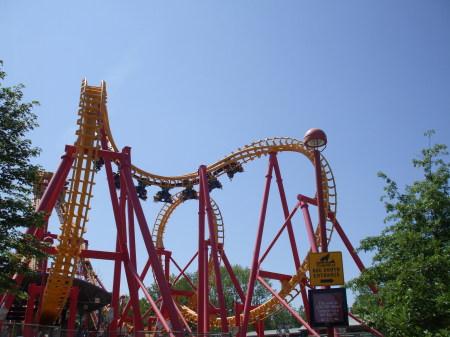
[32, 330]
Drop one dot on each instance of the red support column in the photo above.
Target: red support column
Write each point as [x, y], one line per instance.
[119, 209]
[33, 291]
[286, 212]
[320, 202]
[321, 210]
[206, 287]
[233, 277]
[255, 266]
[214, 250]
[149, 298]
[157, 268]
[134, 298]
[202, 290]
[259, 328]
[142, 276]
[305, 300]
[359, 320]
[351, 250]
[72, 311]
[44, 264]
[283, 302]
[287, 221]
[116, 291]
[167, 257]
[131, 235]
[182, 271]
[309, 226]
[153, 258]
[54, 188]
[238, 307]
[122, 239]
[117, 263]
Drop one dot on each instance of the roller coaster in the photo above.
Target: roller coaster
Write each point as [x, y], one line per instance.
[70, 190]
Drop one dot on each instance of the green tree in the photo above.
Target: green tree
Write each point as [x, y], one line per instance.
[17, 179]
[284, 319]
[411, 262]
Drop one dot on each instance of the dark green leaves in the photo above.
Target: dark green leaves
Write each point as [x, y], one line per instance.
[17, 179]
[411, 263]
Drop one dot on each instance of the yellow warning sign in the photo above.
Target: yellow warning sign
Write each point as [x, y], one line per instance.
[325, 269]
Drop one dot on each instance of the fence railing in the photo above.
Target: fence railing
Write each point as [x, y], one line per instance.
[33, 330]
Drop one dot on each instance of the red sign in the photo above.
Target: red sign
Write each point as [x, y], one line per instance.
[328, 307]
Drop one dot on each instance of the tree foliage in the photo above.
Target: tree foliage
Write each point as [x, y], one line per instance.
[411, 262]
[17, 178]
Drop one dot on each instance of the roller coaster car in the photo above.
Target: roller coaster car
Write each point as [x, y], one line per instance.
[233, 169]
[117, 180]
[163, 196]
[141, 191]
[213, 184]
[189, 193]
[99, 164]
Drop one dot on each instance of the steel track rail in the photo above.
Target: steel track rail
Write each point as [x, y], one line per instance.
[62, 271]
[163, 217]
[166, 211]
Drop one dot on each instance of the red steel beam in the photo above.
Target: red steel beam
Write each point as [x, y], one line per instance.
[116, 291]
[72, 311]
[33, 291]
[157, 268]
[142, 276]
[92, 254]
[202, 302]
[214, 253]
[286, 223]
[255, 263]
[360, 321]
[274, 276]
[122, 235]
[233, 277]
[320, 202]
[305, 299]
[131, 235]
[350, 249]
[284, 304]
[321, 210]
[309, 227]
[306, 199]
[286, 212]
[118, 263]
[54, 187]
[182, 271]
[102, 255]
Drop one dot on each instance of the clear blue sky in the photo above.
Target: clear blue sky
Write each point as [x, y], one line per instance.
[191, 81]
